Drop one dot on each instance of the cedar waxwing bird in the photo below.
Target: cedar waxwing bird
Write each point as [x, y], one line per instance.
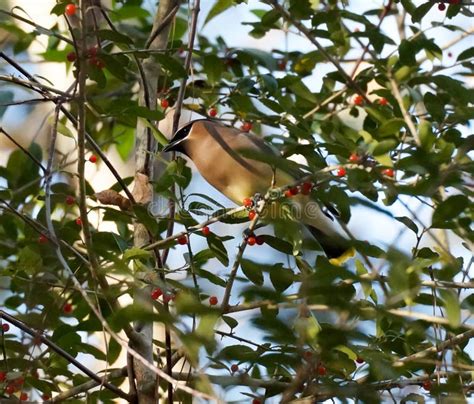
[216, 150]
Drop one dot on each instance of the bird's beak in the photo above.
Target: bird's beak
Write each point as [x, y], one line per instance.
[173, 146]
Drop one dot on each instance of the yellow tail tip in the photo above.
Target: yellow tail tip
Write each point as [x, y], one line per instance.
[348, 254]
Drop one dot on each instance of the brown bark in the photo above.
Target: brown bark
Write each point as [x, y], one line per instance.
[146, 381]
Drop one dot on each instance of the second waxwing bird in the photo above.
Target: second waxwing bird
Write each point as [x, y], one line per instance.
[216, 150]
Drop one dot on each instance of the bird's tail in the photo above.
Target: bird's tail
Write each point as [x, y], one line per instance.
[337, 248]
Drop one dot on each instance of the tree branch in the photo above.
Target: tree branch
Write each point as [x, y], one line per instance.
[307, 33]
[39, 335]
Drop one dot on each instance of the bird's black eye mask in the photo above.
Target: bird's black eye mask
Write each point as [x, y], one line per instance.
[179, 136]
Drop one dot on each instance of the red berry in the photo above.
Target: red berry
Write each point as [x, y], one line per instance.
[247, 202]
[70, 200]
[5, 327]
[19, 381]
[71, 57]
[260, 240]
[234, 368]
[79, 221]
[383, 101]
[45, 397]
[35, 373]
[454, 1]
[92, 52]
[99, 63]
[359, 360]
[156, 293]
[167, 297]
[3, 376]
[42, 239]
[10, 389]
[212, 112]
[205, 231]
[23, 396]
[70, 9]
[441, 6]
[322, 370]
[388, 172]
[341, 172]
[293, 191]
[93, 159]
[427, 385]
[164, 103]
[282, 64]
[213, 300]
[183, 239]
[450, 55]
[251, 240]
[358, 100]
[354, 158]
[67, 308]
[246, 127]
[288, 194]
[256, 401]
[252, 214]
[306, 188]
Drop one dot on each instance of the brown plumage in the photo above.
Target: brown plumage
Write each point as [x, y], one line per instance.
[216, 150]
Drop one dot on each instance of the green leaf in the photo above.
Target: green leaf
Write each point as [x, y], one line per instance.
[173, 66]
[449, 209]
[407, 51]
[435, 106]
[466, 54]
[451, 305]
[252, 271]
[64, 130]
[114, 36]
[281, 278]
[136, 253]
[210, 277]
[5, 98]
[238, 353]
[278, 244]
[144, 112]
[391, 127]
[421, 11]
[366, 285]
[217, 247]
[230, 321]
[213, 67]
[218, 8]
[385, 146]
[29, 260]
[425, 132]
[408, 223]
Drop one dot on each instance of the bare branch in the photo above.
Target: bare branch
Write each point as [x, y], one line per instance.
[39, 335]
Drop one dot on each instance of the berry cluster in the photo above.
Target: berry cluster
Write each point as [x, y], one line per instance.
[166, 296]
[363, 160]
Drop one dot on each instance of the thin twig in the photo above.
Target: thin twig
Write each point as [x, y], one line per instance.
[406, 116]
[307, 33]
[164, 24]
[50, 344]
[23, 149]
[45, 92]
[39, 28]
